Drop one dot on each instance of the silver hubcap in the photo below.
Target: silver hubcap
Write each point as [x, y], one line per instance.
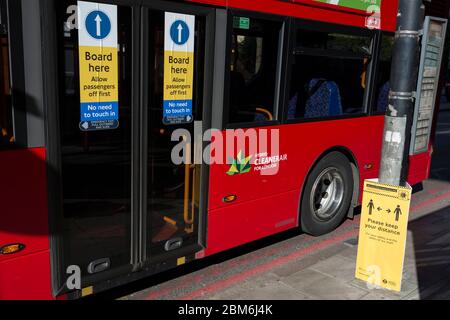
[327, 194]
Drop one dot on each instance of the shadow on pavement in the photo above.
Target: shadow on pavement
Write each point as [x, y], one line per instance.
[431, 251]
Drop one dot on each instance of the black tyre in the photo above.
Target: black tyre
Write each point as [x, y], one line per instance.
[327, 195]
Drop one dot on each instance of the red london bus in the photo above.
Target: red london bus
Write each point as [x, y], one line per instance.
[113, 204]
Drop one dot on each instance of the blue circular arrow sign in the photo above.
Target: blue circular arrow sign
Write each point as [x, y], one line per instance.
[179, 32]
[98, 25]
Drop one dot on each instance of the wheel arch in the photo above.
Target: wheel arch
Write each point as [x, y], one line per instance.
[355, 173]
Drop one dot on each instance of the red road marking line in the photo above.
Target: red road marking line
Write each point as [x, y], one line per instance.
[434, 191]
[430, 201]
[235, 263]
[285, 259]
[215, 271]
[229, 264]
[269, 265]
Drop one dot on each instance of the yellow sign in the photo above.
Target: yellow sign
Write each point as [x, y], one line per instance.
[98, 63]
[98, 74]
[178, 75]
[178, 67]
[382, 234]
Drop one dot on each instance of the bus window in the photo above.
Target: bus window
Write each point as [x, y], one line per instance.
[382, 85]
[328, 74]
[6, 118]
[253, 67]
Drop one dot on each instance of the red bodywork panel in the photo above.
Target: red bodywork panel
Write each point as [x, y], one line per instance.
[24, 219]
[313, 10]
[26, 277]
[267, 204]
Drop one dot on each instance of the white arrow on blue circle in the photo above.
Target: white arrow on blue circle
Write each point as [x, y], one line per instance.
[98, 20]
[180, 30]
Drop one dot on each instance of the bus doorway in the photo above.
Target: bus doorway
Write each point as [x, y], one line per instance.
[126, 204]
[173, 188]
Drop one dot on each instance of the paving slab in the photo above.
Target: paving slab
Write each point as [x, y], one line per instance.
[337, 266]
[407, 288]
[266, 287]
[321, 286]
[309, 260]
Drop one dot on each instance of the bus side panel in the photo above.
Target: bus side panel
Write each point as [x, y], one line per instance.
[319, 11]
[301, 146]
[23, 194]
[24, 219]
[26, 277]
[389, 10]
[252, 220]
[419, 168]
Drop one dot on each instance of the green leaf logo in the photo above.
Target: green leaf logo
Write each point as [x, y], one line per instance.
[240, 165]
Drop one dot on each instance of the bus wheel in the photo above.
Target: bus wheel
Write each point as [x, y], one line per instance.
[327, 195]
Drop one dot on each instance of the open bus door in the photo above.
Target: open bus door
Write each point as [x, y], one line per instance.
[125, 205]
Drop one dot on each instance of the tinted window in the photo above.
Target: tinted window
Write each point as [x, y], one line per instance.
[172, 205]
[382, 85]
[6, 123]
[328, 75]
[96, 165]
[253, 69]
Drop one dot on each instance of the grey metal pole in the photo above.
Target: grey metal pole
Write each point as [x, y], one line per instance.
[399, 114]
